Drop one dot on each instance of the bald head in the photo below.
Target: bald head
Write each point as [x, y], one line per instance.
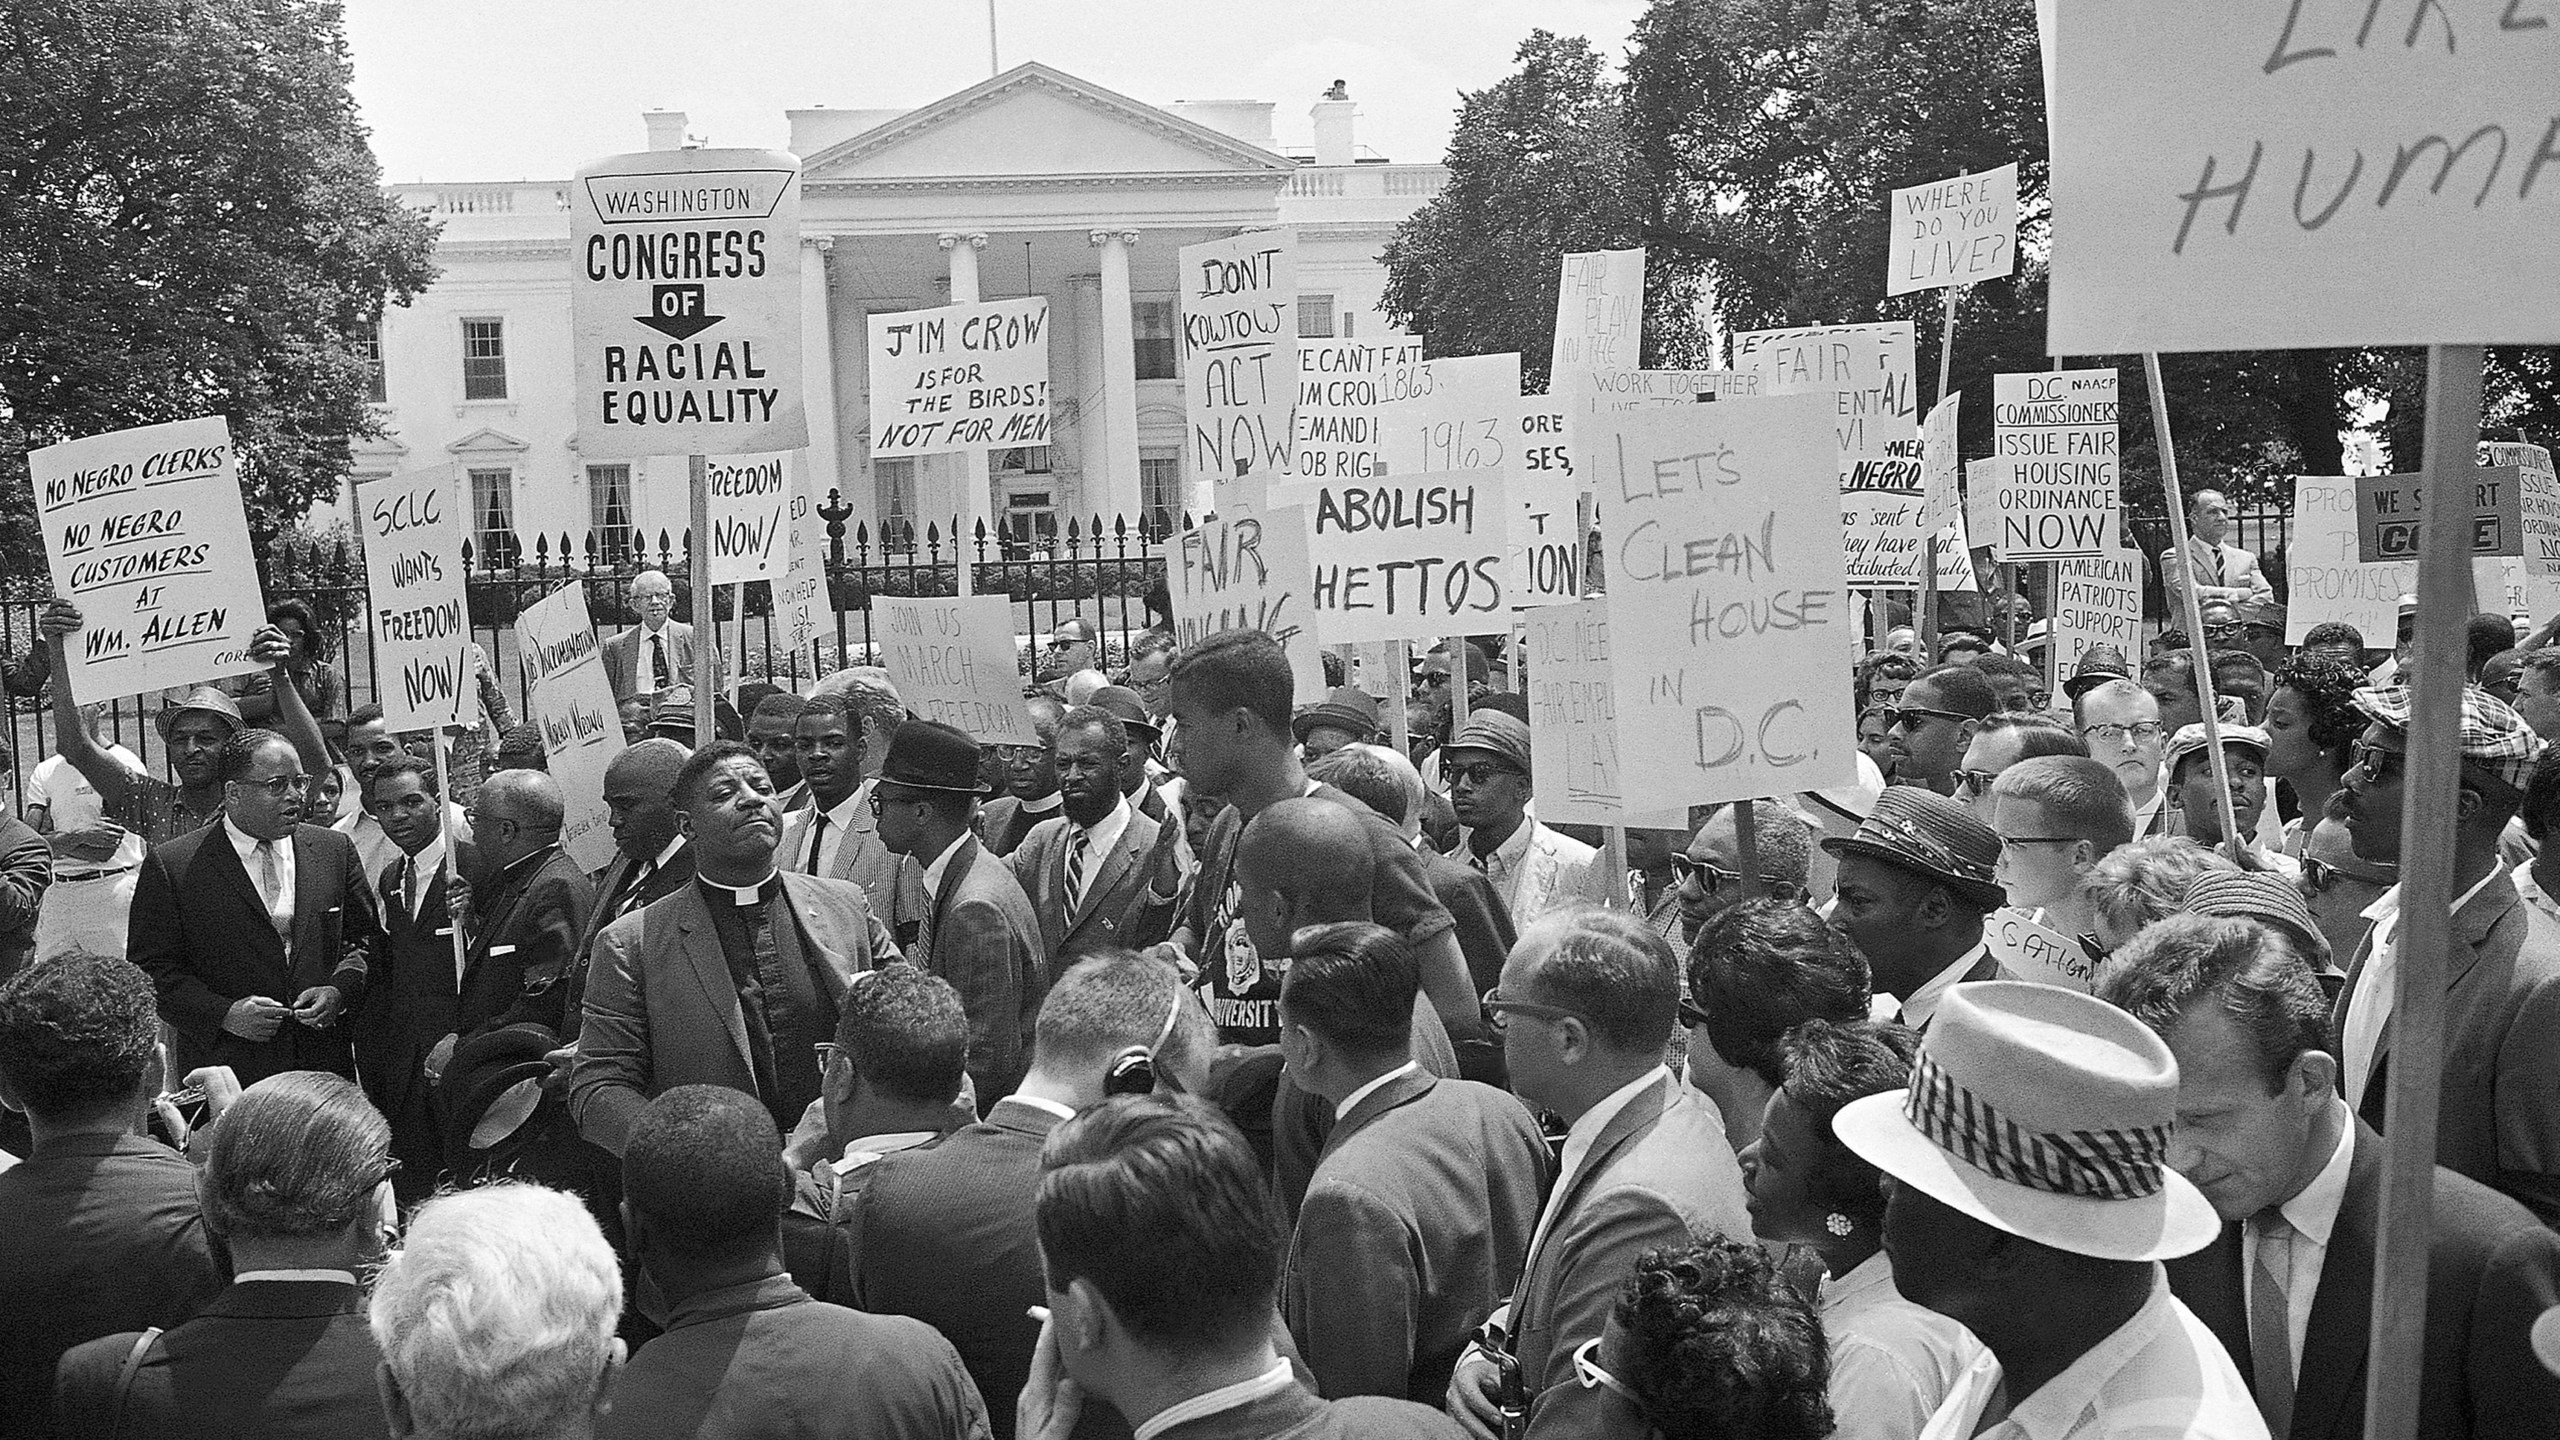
[530, 798]
[639, 790]
[656, 759]
[1302, 862]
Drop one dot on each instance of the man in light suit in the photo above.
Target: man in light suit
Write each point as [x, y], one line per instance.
[2220, 572]
[978, 930]
[1087, 870]
[1418, 1216]
[1531, 866]
[2297, 1181]
[658, 654]
[732, 980]
[1645, 1161]
[256, 929]
[836, 834]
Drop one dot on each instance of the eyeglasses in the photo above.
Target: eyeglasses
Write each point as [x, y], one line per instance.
[1691, 1017]
[1497, 1010]
[2137, 733]
[1478, 772]
[278, 786]
[1587, 1371]
[1896, 716]
[827, 1052]
[2223, 632]
[1710, 876]
[2378, 764]
[1974, 784]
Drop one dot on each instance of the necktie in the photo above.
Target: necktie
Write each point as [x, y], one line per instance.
[2270, 1319]
[1076, 850]
[271, 890]
[631, 893]
[658, 677]
[817, 838]
[409, 886]
[764, 999]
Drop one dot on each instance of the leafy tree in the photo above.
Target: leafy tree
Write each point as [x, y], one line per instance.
[191, 222]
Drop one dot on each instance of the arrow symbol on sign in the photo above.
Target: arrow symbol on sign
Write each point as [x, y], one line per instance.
[676, 311]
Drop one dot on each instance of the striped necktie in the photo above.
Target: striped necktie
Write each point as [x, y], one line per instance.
[1076, 852]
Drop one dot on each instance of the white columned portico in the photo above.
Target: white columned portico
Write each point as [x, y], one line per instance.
[818, 367]
[969, 497]
[1111, 486]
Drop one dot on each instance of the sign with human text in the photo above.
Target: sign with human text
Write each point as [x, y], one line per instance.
[1410, 557]
[953, 660]
[144, 531]
[1467, 413]
[2537, 503]
[1880, 526]
[1247, 569]
[1940, 463]
[1726, 600]
[957, 378]
[2280, 176]
[411, 526]
[801, 602]
[569, 700]
[2056, 491]
[750, 499]
[684, 304]
[1573, 726]
[1953, 232]
[1240, 359]
[2387, 514]
[2097, 600]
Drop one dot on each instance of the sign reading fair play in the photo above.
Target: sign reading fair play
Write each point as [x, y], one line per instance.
[684, 300]
[412, 529]
[973, 376]
[1246, 569]
[143, 531]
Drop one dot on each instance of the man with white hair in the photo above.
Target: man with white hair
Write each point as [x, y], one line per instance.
[497, 1318]
[657, 655]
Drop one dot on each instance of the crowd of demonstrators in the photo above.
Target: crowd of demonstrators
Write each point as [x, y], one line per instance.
[1216, 1066]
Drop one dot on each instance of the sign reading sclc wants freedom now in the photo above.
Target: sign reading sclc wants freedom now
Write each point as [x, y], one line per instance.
[684, 299]
[412, 529]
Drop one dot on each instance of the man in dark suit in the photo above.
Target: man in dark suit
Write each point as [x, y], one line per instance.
[651, 860]
[1418, 1216]
[1645, 1161]
[745, 1351]
[1914, 884]
[256, 928]
[732, 980]
[978, 930]
[837, 834]
[2297, 1180]
[296, 1182]
[100, 1229]
[404, 1030]
[1086, 870]
[947, 1232]
[657, 655]
[1031, 782]
[528, 911]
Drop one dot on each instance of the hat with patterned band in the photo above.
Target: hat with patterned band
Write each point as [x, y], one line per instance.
[2492, 737]
[1927, 833]
[2044, 1113]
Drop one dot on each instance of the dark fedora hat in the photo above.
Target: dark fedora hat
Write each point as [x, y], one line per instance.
[1345, 707]
[1928, 834]
[927, 755]
[2098, 665]
[1122, 704]
[494, 1085]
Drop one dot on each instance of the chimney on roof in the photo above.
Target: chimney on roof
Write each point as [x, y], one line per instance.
[666, 128]
[1332, 115]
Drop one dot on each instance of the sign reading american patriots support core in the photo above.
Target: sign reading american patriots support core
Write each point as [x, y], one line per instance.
[963, 377]
[143, 530]
[684, 303]
[412, 529]
[569, 700]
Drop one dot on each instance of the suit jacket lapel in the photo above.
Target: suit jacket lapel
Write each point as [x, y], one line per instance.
[2471, 926]
[1108, 869]
[953, 875]
[701, 947]
[1402, 1090]
[226, 861]
[2333, 1345]
[1636, 1115]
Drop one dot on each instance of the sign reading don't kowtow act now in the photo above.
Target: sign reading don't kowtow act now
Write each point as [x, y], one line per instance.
[685, 304]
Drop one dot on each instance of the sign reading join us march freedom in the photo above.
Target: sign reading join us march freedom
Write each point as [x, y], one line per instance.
[143, 530]
[684, 302]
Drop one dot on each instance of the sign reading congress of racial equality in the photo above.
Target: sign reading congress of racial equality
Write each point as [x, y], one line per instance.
[684, 303]
[973, 376]
[1953, 232]
[412, 530]
[1247, 569]
[1240, 357]
[2053, 438]
[144, 531]
[569, 700]
[1410, 557]
[1727, 611]
[953, 658]
[2267, 176]
[750, 514]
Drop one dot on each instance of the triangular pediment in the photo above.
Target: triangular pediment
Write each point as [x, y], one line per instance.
[485, 441]
[1033, 120]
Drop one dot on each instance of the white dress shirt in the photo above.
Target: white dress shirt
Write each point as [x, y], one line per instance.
[2313, 1214]
[1343, 1107]
[2160, 1376]
[839, 819]
[1922, 1007]
[1585, 1133]
[1892, 1362]
[1100, 836]
[1534, 869]
[1226, 1397]
[2369, 1008]
[933, 873]
[279, 906]
[426, 862]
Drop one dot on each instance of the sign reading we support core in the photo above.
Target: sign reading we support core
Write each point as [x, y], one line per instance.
[2324, 580]
[953, 659]
[2387, 514]
[569, 700]
[1240, 357]
[973, 376]
[684, 303]
[1409, 557]
[412, 530]
[1247, 569]
[2053, 435]
[1727, 613]
[144, 531]
[1954, 232]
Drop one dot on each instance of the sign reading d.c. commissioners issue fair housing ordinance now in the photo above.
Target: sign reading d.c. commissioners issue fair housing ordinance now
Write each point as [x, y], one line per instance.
[684, 302]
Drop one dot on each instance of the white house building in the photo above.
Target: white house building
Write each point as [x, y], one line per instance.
[1031, 183]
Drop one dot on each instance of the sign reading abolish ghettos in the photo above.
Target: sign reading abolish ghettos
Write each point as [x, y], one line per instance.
[1407, 557]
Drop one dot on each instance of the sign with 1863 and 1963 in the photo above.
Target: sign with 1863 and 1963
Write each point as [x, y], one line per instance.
[144, 531]
[684, 303]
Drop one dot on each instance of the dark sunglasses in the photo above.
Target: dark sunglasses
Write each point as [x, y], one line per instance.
[1896, 716]
[1476, 772]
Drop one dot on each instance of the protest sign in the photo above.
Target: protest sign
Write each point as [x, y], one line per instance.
[1411, 557]
[1467, 413]
[2537, 500]
[144, 531]
[2245, 177]
[954, 661]
[412, 533]
[1953, 232]
[2031, 950]
[1599, 319]
[684, 303]
[2096, 601]
[1619, 389]
[956, 378]
[1881, 531]
[2387, 514]
[1955, 560]
[1726, 603]
[569, 700]
[1240, 357]
[2324, 579]
[800, 599]
[1573, 723]
[1866, 369]
[1941, 463]
[1982, 504]
[750, 514]
[1247, 570]
[2054, 434]
[1341, 385]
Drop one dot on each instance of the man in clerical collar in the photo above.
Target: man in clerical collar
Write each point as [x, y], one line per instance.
[1031, 780]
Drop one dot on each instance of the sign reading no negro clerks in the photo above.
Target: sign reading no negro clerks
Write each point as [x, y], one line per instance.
[960, 377]
[143, 531]
[685, 302]
[412, 529]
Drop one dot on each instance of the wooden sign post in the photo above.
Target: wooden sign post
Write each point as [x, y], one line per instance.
[2197, 653]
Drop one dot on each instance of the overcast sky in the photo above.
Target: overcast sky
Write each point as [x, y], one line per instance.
[529, 89]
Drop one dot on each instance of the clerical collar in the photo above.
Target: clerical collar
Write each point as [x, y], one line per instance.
[767, 889]
[1042, 805]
